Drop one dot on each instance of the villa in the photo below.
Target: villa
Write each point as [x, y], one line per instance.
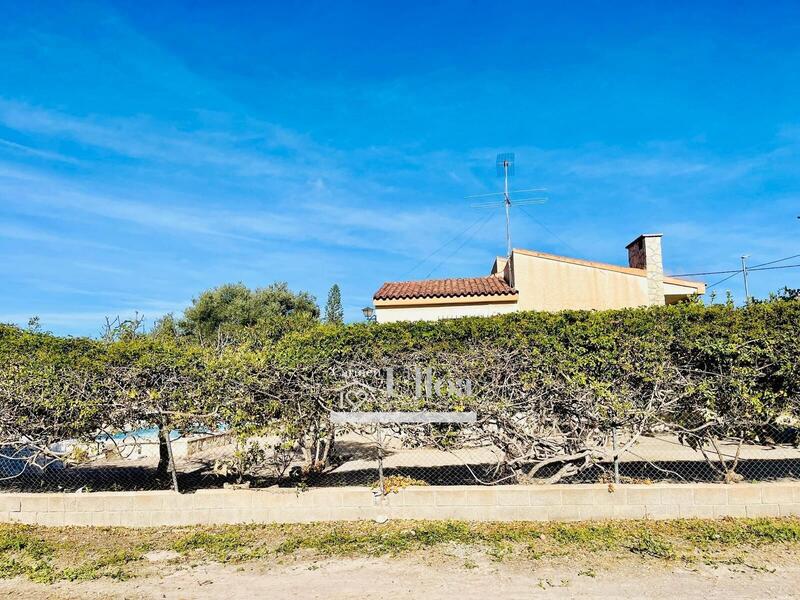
[529, 280]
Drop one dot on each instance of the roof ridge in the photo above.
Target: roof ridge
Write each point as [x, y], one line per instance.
[442, 279]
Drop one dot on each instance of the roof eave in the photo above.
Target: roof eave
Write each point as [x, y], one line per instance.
[446, 300]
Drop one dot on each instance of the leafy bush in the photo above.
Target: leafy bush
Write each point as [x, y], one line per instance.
[233, 313]
[548, 388]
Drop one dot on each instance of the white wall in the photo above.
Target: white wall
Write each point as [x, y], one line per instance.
[442, 311]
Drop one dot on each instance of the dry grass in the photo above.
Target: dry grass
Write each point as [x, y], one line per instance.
[75, 554]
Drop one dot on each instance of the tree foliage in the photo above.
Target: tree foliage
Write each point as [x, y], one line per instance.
[334, 313]
[548, 388]
[234, 311]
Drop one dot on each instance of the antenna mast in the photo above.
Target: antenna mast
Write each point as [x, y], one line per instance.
[507, 199]
[505, 169]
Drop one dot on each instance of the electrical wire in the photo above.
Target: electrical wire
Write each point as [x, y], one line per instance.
[753, 268]
[464, 243]
[749, 269]
[480, 223]
[707, 273]
[771, 268]
[442, 247]
[708, 287]
[546, 228]
[772, 262]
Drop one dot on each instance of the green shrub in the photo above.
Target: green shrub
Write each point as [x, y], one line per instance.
[705, 372]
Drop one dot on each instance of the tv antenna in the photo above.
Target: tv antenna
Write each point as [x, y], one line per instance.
[505, 169]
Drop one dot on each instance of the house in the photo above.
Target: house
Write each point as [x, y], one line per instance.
[529, 280]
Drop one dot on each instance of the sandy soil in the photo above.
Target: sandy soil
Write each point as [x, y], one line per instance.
[457, 577]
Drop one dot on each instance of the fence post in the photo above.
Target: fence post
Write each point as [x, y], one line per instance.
[616, 456]
[380, 462]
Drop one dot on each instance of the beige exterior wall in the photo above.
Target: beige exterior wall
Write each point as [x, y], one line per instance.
[549, 284]
[546, 282]
[434, 312]
[477, 503]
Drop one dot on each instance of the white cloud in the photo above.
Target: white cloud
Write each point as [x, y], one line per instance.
[36, 152]
[233, 148]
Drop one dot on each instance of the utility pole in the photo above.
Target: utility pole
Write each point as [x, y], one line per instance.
[744, 276]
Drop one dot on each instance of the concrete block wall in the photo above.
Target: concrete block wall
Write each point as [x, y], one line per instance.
[474, 503]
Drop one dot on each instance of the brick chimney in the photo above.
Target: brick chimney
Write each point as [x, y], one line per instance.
[645, 253]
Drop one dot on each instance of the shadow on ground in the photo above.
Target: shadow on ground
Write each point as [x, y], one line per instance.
[133, 477]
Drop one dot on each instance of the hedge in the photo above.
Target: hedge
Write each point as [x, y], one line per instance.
[547, 387]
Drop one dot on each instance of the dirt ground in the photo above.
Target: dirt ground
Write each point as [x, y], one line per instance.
[456, 576]
[695, 558]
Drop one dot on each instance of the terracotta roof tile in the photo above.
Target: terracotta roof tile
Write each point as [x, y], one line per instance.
[444, 288]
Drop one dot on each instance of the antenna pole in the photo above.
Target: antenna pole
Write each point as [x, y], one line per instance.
[507, 202]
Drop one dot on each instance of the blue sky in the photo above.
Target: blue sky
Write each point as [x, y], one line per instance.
[151, 151]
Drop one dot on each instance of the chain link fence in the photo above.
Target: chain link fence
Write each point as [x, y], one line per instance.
[377, 457]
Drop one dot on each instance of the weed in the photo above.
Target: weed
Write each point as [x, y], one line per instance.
[395, 483]
[229, 545]
[52, 554]
[650, 545]
[110, 565]
[501, 551]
